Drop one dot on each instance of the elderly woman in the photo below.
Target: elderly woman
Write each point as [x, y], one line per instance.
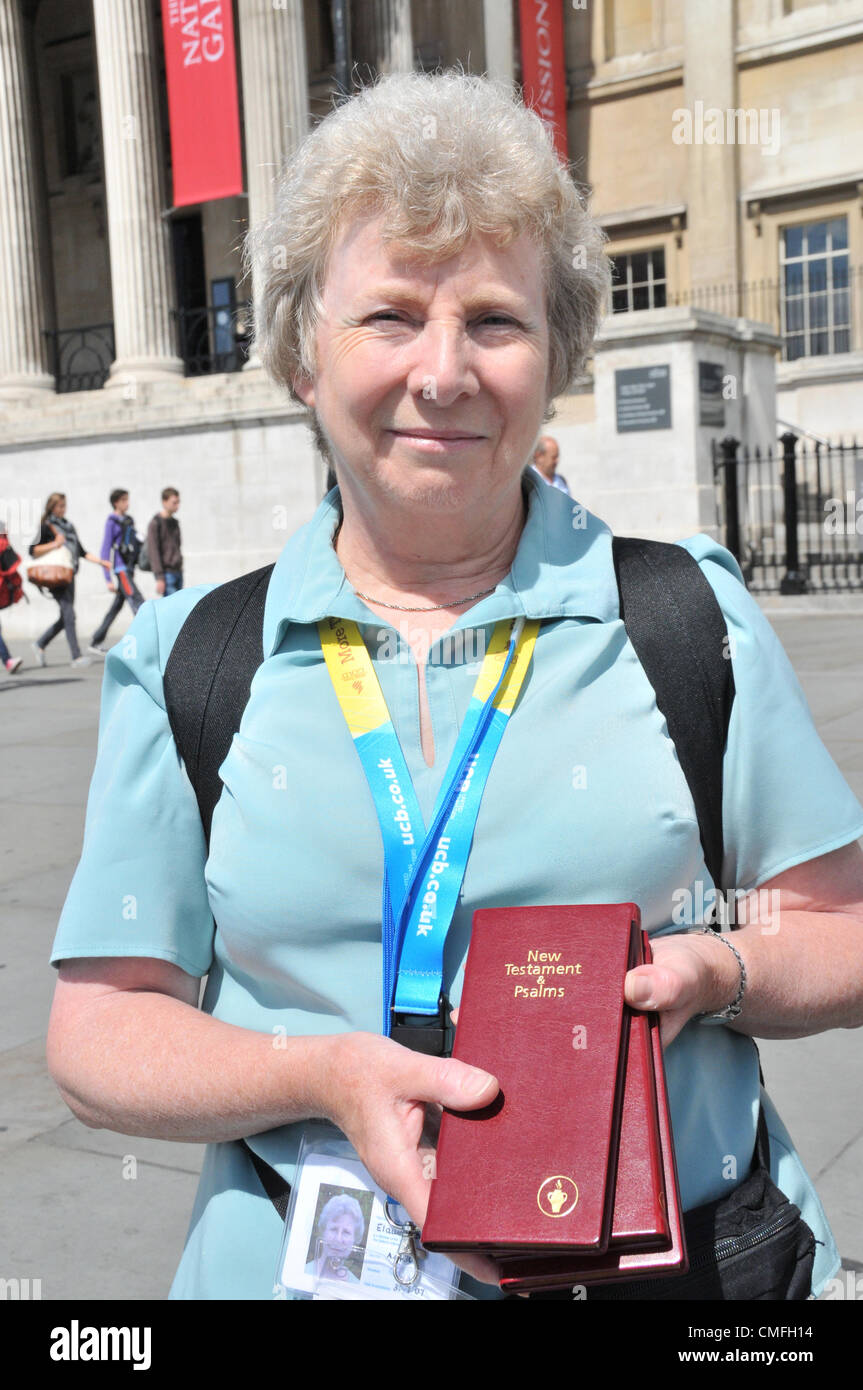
[341, 1226]
[431, 281]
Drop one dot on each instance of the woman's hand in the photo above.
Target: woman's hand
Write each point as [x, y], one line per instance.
[691, 974]
[58, 542]
[381, 1097]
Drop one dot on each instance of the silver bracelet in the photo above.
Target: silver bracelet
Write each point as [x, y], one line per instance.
[731, 1010]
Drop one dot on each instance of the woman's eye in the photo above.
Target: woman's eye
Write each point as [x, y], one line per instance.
[487, 320]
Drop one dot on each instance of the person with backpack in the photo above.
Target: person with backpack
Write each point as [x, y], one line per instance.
[270, 765]
[121, 547]
[56, 533]
[11, 592]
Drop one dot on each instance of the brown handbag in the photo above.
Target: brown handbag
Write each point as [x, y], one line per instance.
[53, 570]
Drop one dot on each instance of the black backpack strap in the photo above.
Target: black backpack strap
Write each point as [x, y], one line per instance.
[207, 681]
[275, 1186]
[678, 631]
[205, 693]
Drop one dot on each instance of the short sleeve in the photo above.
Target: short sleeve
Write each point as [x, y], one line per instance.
[784, 799]
[139, 888]
[40, 539]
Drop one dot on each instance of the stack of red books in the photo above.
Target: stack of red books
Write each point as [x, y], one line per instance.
[569, 1177]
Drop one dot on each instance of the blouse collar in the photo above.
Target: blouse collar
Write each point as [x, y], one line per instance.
[563, 568]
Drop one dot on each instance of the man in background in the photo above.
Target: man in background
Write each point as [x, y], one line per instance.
[545, 459]
[121, 544]
[163, 544]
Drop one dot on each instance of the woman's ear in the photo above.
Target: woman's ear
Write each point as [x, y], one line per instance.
[305, 390]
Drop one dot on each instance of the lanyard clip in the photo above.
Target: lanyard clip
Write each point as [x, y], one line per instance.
[406, 1267]
[431, 1034]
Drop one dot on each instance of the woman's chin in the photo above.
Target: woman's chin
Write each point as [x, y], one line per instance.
[434, 485]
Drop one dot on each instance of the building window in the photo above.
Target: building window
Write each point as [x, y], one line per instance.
[638, 281]
[816, 304]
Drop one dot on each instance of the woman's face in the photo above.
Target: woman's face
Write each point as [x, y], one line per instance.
[338, 1237]
[60, 507]
[431, 380]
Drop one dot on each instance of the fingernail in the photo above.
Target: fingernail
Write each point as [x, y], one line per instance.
[641, 993]
[477, 1082]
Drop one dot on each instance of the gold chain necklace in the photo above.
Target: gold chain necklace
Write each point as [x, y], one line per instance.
[434, 608]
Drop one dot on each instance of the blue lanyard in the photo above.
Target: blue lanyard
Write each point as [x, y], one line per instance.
[423, 870]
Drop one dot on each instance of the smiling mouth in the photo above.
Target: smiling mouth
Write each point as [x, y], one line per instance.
[439, 436]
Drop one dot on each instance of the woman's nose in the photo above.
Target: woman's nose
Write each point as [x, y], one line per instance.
[443, 368]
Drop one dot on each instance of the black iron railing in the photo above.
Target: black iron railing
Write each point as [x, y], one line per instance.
[793, 514]
[213, 338]
[81, 357]
[824, 320]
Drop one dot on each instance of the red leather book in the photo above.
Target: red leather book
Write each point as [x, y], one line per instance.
[542, 1009]
[620, 1262]
[639, 1221]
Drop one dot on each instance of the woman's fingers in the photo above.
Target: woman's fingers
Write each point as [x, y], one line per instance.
[410, 1186]
[478, 1266]
[448, 1082]
[670, 1024]
[656, 987]
[680, 984]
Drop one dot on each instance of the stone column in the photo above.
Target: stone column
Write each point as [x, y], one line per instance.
[275, 99]
[24, 360]
[383, 37]
[499, 40]
[141, 268]
[710, 78]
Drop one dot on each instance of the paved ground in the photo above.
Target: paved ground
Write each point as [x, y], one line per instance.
[72, 1214]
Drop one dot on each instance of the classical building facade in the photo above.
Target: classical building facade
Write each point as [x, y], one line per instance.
[724, 146]
[722, 141]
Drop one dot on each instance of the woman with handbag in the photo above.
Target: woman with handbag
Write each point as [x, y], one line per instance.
[59, 540]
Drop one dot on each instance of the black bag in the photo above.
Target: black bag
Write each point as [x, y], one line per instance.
[129, 545]
[144, 562]
[752, 1244]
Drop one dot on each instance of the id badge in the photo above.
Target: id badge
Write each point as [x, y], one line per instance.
[339, 1241]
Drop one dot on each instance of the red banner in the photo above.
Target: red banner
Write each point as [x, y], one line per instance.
[543, 72]
[201, 68]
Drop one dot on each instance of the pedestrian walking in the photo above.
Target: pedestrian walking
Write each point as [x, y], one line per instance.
[55, 533]
[121, 547]
[164, 545]
[11, 590]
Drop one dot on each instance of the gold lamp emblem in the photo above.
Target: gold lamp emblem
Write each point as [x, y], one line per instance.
[557, 1196]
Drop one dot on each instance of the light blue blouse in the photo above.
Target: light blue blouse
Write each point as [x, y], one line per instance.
[586, 802]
